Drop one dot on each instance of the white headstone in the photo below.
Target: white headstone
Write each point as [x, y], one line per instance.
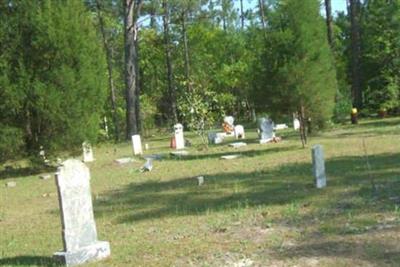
[266, 130]
[137, 145]
[281, 126]
[87, 152]
[239, 132]
[296, 124]
[79, 232]
[229, 120]
[179, 139]
[318, 166]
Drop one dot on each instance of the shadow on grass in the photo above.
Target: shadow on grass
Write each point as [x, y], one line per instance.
[29, 261]
[379, 123]
[378, 253]
[23, 172]
[284, 185]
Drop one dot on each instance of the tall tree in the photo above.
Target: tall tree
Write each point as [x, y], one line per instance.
[329, 22]
[355, 53]
[132, 10]
[108, 52]
[168, 61]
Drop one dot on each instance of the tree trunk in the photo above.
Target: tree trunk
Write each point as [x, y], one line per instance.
[303, 126]
[109, 69]
[355, 54]
[168, 59]
[262, 12]
[131, 14]
[241, 14]
[186, 52]
[329, 22]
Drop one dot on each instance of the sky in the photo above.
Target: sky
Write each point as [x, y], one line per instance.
[337, 5]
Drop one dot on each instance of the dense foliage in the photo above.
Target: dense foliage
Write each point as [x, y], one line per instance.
[52, 76]
[197, 61]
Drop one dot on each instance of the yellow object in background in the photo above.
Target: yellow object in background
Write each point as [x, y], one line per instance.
[354, 111]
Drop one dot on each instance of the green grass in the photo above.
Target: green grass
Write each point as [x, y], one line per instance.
[261, 207]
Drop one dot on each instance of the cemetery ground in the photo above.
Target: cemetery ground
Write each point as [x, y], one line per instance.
[261, 209]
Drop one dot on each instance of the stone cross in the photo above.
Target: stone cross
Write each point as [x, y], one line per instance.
[137, 145]
[239, 132]
[318, 166]
[78, 226]
[87, 152]
[178, 134]
[266, 130]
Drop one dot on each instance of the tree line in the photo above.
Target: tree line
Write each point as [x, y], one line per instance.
[70, 68]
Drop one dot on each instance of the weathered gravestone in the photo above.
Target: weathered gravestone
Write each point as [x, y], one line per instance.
[137, 145]
[266, 130]
[318, 166]
[178, 135]
[239, 132]
[78, 226]
[87, 152]
[215, 138]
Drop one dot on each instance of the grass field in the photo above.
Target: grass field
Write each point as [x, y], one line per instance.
[261, 209]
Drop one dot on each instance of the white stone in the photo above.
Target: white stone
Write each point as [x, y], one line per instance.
[124, 160]
[281, 126]
[87, 152]
[318, 166]
[45, 176]
[234, 156]
[11, 184]
[200, 180]
[178, 134]
[181, 153]
[237, 144]
[296, 124]
[137, 145]
[146, 146]
[239, 132]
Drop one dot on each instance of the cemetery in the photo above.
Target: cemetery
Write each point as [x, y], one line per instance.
[265, 206]
[221, 133]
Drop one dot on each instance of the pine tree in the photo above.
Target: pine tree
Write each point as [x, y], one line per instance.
[52, 77]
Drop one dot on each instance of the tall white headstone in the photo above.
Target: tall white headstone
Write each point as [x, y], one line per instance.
[179, 139]
[79, 232]
[296, 124]
[137, 145]
[266, 130]
[239, 132]
[87, 152]
[318, 166]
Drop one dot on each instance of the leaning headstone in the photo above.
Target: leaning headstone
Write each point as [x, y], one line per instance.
[137, 145]
[266, 130]
[318, 166]
[239, 132]
[215, 138]
[87, 152]
[79, 232]
[178, 134]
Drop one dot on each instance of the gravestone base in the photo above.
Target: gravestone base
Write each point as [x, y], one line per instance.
[94, 252]
[320, 183]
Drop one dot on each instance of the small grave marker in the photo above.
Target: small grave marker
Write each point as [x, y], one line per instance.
[318, 166]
